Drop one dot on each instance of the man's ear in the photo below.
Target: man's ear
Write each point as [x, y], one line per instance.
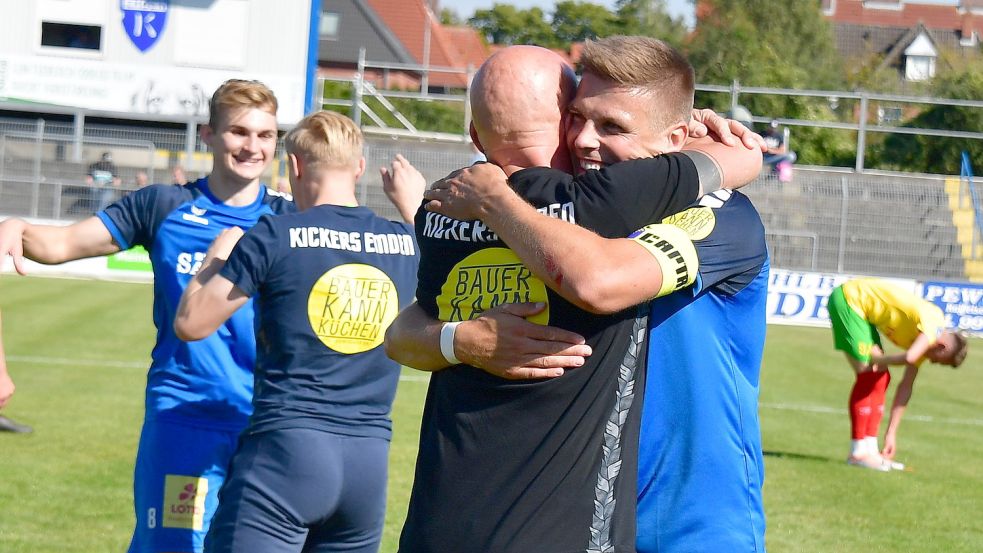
[678, 136]
[295, 166]
[206, 132]
[361, 168]
[474, 138]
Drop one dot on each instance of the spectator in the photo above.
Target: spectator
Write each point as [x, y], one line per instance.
[141, 180]
[778, 156]
[103, 176]
[177, 176]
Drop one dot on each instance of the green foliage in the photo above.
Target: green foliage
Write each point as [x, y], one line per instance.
[450, 17]
[575, 21]
[578, 21]
[773, 43]
[434, 115]
[79, 351]
[933, 154]
[505, 24]
[650, 18]
[765, 43]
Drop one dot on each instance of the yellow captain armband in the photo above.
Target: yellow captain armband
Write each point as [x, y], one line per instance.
[675, 253]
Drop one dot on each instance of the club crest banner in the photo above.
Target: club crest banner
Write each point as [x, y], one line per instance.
[143, 21]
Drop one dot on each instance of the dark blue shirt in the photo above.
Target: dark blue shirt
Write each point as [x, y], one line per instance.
[328, 282]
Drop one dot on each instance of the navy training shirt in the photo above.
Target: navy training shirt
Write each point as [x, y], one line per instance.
[328, 282]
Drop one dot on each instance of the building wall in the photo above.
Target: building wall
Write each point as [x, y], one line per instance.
[200, 44]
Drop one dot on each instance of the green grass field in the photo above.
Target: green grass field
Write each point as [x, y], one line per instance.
[78, 352]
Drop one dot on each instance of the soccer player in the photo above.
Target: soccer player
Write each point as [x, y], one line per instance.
[859, 310]
[198, 394]
[310, 470]
[554, 451]
[700, 460]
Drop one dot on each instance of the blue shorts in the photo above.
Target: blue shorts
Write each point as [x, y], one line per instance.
[179, 470]
[299, 489]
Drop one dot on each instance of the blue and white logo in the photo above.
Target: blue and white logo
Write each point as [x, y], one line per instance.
[144, 21]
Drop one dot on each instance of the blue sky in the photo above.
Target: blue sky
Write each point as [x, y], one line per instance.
[466, 8]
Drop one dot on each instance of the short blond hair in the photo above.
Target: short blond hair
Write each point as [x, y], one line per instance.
[648, 64]
[238, 93]
[326, 139]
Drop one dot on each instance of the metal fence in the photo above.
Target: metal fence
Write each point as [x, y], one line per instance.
[890, 224]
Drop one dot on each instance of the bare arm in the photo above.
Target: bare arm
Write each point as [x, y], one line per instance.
[911, 356]
[571, 260]
[404, 186]
[50, 244]
[500, 341]
[6, 384]
[210, 299]
[574, 261]
[901, 397]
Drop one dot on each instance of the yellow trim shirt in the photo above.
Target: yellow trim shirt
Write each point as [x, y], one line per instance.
[898, 314]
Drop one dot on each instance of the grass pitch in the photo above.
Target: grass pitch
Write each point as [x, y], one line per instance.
[78, 352]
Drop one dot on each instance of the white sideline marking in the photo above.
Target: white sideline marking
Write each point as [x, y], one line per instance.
[841, 412]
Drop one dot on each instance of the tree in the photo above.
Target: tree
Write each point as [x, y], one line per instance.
[450, 17]
[575, 21]
[506, 25]
[650, 18]
[773, 43]
[940, 155]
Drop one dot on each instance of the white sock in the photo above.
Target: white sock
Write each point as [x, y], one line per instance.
[858, 448]
[872, 447]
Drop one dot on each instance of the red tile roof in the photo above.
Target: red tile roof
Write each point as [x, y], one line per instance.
[456, 47]
[934, 16]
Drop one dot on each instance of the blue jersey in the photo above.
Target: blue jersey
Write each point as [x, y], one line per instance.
[700, 461]
[328, 282]
[207, 383]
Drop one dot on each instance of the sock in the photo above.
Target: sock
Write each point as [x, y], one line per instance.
[860, 406]
[858, 448]
[870, 445]
[877, 397]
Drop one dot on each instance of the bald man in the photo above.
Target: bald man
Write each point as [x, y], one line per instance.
[537, 466]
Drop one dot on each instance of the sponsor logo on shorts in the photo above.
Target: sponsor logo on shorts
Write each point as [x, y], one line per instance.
[351, 306]
[184, 501]
[486, 279]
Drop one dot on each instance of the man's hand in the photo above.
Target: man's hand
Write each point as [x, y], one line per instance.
[466, 194]
[223, 244]
[890, 446]
[728, 131]
[503, 343]
[404, 186]
[12, 242]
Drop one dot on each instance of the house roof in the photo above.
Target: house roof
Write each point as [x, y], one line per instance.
[966, 16]
[414, 24]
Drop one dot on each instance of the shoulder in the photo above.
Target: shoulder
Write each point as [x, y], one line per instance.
[279, 202]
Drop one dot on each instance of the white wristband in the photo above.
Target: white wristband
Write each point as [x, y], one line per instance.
[447, 342]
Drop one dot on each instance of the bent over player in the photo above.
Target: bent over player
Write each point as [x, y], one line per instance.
[858, 310]
[198, 394]
[310, 470]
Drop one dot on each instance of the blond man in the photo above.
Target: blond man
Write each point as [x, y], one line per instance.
[198, 395]
[310, 471]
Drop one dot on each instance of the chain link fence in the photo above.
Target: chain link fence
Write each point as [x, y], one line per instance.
[888, 224]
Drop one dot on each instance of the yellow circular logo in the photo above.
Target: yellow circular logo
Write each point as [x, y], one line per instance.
[351, 306]
[697, 222]
[486, 279]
